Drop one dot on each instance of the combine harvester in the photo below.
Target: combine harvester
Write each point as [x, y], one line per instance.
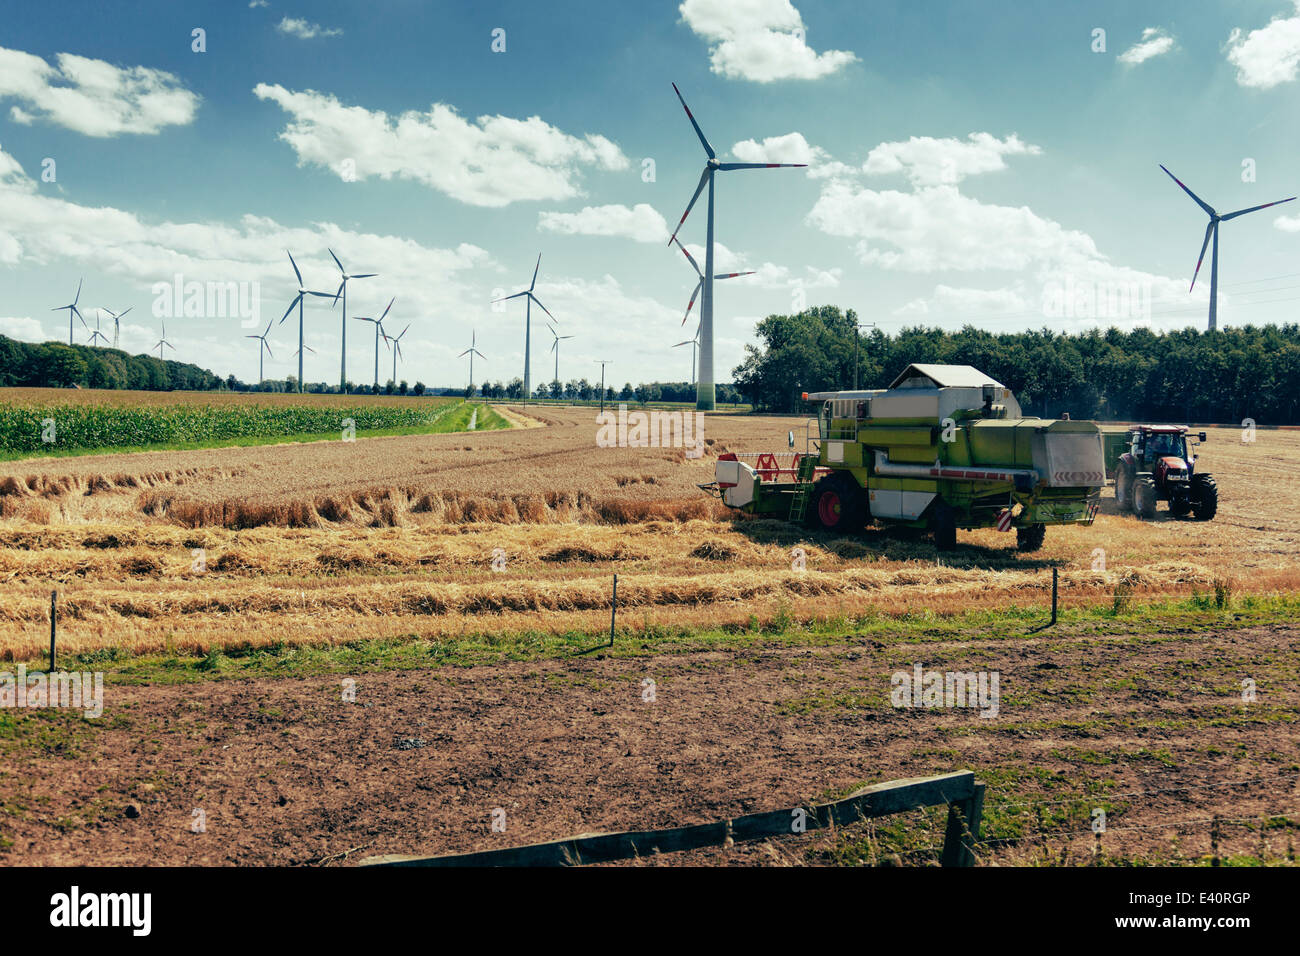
[944, 447]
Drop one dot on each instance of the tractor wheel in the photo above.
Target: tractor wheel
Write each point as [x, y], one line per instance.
[1205, 497]
[1180, 505]
[944, 525]
[1031, 538]
[1124, 488]
[838, 503]
[1144, 497]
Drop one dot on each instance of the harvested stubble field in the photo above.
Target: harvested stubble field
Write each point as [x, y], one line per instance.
[520, 531]
[279, 555]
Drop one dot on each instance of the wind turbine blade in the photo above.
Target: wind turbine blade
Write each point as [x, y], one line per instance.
[1208, 210]
[78, 296]
[268, 328]
[691, 116]
[733, 275]
[252, 336]
[1242, 212]
[387, 307]
[536, 269]
[566, 336]
[405, 330]
[268, 348]
[295, 268]
[464, 353]
[704, 178]
[342, 271]
[690, 305]
[760, 165]
[690, 258]
[80, 316]
[292, 306]
[119, 315]
[540, 306]
[515, 296]
[339, 293]
[1208, 229]
[364, 275]
[554, 345]
[687, 342]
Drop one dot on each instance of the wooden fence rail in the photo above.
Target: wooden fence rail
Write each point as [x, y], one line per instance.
[964, 797]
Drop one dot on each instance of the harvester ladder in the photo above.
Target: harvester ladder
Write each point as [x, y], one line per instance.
[803, 487]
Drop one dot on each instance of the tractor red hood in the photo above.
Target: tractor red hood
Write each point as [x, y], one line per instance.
[1172, 463]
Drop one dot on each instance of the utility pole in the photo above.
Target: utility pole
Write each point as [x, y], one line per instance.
[602, 363]
[857, 328]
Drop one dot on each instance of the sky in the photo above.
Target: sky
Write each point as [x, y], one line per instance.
[984, 163]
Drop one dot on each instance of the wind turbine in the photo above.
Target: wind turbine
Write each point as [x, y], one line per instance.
[343, 291]
[471, 352]
[693, 343]
[555, 347]
[528, 325]
[117, 316]
[163, 341]
[298, 302]
[379, 330]
[704, 389]
[72, 310]
[1212, 230]
[265, 345]
[397, 349]
[96, 335]
[694, 265]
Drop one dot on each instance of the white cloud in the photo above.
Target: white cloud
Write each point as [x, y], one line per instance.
[759, 40]
[1287, 223]
[1269, 56]
[641, 223]
[294, 27]
[93, 97]
[253, 4]
[790, 148]
[492, 161]
[947, 300]
[927, 161]
[1155, 42]
[25, 329]
[39, 229]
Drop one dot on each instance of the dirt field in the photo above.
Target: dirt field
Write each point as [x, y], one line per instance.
[520, 530]
[1150, 728]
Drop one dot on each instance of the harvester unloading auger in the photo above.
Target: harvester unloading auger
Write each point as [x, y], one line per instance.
[944, 447]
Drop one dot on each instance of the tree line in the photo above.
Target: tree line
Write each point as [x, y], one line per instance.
[1137, 375]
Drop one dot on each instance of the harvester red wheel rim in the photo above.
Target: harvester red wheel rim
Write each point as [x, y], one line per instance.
[828, 509]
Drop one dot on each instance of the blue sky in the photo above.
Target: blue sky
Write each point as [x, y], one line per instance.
[967, 161]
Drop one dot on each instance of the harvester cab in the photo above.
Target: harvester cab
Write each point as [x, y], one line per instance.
[944, 447]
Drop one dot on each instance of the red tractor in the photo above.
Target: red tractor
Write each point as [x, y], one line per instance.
[1157, 465]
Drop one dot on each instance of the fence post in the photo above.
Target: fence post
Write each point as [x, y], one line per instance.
[963, 831]
[53, 615]
[1053, 595]
[613, 612]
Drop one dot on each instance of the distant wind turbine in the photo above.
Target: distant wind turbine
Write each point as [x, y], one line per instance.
[694, 265]
[1212, 231]
[117, 317]
[397, 349]
[163, 341]
[262, 350]
[471, 352]
[555, 347]
[343, 292]
[528, 324]
[298, 302]
[704, 389]
[72, 310]
[693, 343]
[379, 330]
[96, 335]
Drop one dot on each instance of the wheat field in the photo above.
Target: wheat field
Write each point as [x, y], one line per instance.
[521, 531]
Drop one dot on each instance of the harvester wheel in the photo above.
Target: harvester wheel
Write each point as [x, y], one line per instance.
[1124, 488]
[944, 525]
[1030, 538]
[1144, 497]
[1205, 497]
[839, 504]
